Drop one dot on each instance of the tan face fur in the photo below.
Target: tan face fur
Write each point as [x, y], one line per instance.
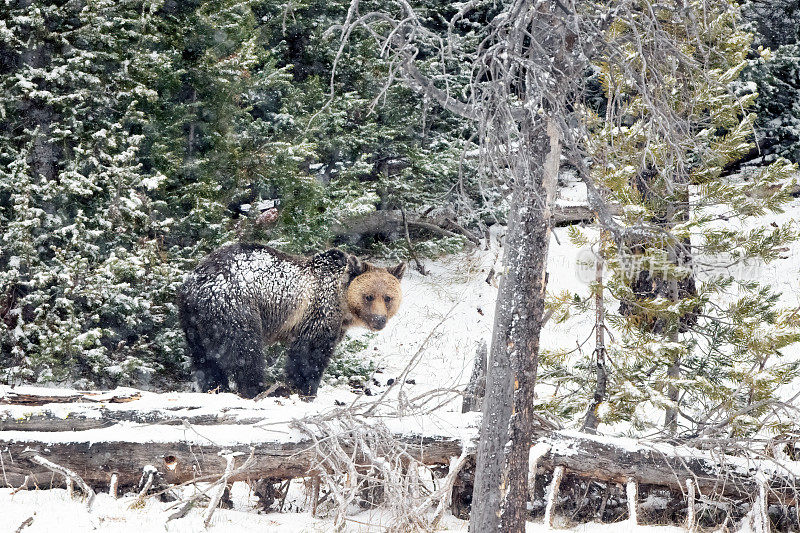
[374, 296]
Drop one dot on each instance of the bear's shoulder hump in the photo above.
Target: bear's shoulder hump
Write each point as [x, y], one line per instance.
[331, 260]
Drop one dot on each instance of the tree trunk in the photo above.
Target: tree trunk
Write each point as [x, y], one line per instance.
[181, 455]
[532, 144]
[672, 335]
[476, 389]
[652, 281]
[591, 420]
[501, 478]
[38, 115]
[668, 196]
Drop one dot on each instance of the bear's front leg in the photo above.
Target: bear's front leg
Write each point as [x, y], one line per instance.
[307, 358]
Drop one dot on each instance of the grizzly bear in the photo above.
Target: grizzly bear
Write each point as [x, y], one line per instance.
[244, 297]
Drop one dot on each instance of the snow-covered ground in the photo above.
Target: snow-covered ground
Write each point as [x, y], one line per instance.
[448, 311]
[53, 511]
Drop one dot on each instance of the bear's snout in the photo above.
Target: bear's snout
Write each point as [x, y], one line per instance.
[377, 322]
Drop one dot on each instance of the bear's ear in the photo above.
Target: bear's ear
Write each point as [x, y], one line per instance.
[356, 267]
[397, 271]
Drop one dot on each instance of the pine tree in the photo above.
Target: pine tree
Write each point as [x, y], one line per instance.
[688, 350]
[86, 289]
[773, 68]
[246, 116]
[376, 147]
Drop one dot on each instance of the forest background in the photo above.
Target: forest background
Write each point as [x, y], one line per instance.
[137, 136]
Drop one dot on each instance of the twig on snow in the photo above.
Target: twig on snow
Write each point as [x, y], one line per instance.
[34, 457]
[230, 457]
[25, 523]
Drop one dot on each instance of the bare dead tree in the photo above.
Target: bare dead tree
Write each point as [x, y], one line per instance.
[523, 71]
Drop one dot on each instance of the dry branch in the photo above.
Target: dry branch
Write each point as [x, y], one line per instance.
[25, 523]
[146, 482]
[552, 495]
[222, 484]
[714, 472]
[113, 486]
[691, 520]
[70, 475]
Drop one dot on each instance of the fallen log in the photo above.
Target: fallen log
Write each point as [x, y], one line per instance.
[714, 472]
[391, 221]
[564, 215]
[180, 434]
[183, 443]
[80, 417]
[180, 454]
[22, 397]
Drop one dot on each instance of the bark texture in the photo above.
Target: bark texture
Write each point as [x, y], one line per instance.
[476, 389]
[506, 432]
[179, 455]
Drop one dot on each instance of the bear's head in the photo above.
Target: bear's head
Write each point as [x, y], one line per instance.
[373, 294]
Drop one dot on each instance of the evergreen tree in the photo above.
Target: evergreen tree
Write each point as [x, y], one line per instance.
[773, 68]
[247, 115]
[376, 147]
[86, 288]
[697, 342]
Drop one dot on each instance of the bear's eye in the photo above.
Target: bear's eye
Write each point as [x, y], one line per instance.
[387, 299]
[369, 297]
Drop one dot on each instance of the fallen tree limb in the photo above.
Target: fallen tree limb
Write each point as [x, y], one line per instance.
[23, 397]
[222, 483]
[25, 523]
[80, 417]
[66, 472]
[390, 221]
[575, 214]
